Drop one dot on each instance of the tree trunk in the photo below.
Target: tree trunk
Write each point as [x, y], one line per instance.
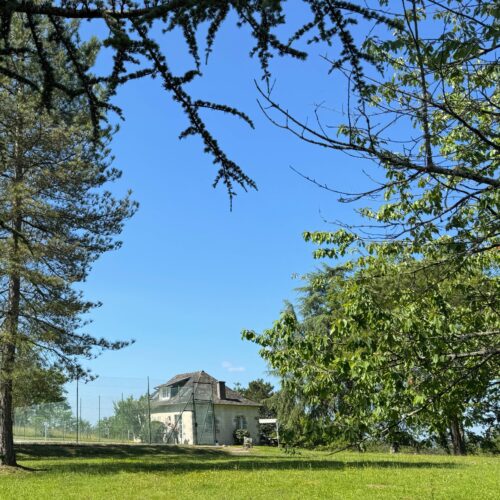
[457, 437]
[7, 453]
[7, 359]
[8, 338]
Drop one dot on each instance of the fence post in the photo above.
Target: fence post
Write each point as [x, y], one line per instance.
[99, 421]
[123, 422]
[77, 399]
[149, 413]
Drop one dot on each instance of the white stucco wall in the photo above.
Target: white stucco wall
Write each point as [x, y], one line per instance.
[225, 424]
[225, 416]
[179, 436]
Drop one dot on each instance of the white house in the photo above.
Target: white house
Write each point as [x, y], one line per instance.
[198, 409]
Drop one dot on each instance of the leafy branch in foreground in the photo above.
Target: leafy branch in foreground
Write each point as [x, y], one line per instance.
[429, 118]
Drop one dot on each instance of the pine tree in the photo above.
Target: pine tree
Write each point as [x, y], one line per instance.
[57, 219]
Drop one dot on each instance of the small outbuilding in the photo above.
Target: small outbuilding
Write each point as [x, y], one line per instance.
[196, 408]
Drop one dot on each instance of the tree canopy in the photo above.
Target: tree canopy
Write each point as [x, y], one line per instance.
[391, 347]
[130, 416]
[426, 112]
[401, 336]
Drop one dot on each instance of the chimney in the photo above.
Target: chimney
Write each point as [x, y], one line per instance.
[221, 390]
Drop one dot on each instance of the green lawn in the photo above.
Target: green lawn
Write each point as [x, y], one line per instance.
[127, 471]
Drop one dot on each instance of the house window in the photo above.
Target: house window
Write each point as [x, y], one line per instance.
[168, 392]
[241, 422]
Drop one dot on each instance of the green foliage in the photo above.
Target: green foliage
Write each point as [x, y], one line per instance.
[239, 435]
[429, 118]
[34, 382]
[258, 390]
[158, 432]
[263, 392]
[130, 418]
[57, 217]
[394, 348]
[47, 419]
[400, 339]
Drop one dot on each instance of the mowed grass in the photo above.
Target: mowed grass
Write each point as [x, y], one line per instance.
[143, 472]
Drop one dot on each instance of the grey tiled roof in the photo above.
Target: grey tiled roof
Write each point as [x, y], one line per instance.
[204, 387]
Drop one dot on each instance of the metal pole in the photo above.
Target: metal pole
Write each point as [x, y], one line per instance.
[195, 423]
[80, 412]
[214, 428]
[123, 422]
[77, 410]
[213, 419]
[149, 413]
[99, 421]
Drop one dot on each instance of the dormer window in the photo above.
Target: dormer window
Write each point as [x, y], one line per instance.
[170, 391]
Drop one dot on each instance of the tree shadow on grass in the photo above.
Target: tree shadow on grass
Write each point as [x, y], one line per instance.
[35, 451]
[234, 465]
[114, 459]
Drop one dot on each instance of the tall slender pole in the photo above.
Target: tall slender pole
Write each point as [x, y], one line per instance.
[99, 421]
[77, 399]
[80, 412]
[214, 426]
[123, 421]
[149, 413]
[195, 423]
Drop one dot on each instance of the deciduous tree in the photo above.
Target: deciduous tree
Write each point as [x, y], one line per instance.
[389, 346]
[427, 113]
[404, 330]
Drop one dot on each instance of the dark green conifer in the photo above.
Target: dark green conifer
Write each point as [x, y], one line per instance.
[56, 219]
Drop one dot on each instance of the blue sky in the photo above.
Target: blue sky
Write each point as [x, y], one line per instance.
[192, 274]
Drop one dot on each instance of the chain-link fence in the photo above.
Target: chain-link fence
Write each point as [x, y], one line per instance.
[126, 410]
[107, 409]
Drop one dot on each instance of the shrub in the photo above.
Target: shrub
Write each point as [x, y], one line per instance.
[239, 435]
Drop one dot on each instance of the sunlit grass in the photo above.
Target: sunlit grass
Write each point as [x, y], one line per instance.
[121, 471]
